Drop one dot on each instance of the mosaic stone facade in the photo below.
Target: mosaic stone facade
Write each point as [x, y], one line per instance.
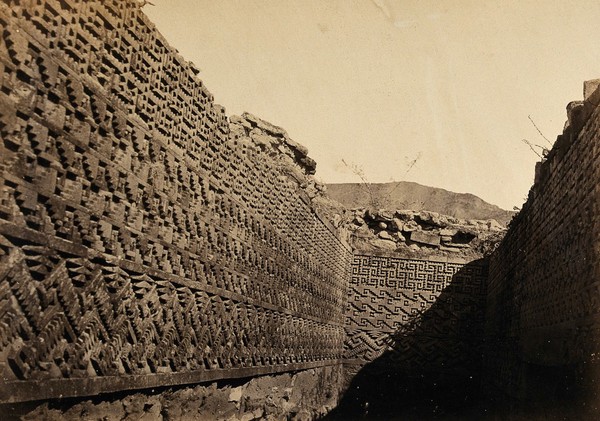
[146, 240]
[141, 242]
[418, 314]
[542, 318]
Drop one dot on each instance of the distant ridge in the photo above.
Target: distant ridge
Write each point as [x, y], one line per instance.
[409, 195]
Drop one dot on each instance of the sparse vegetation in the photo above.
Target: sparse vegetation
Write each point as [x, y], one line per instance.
[380, 200]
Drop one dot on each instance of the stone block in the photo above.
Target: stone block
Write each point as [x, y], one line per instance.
[385, 235]
[432, 218]
[450, 249]
[448, 232]
[589, 86]
[405, 214]
[424, 237]
[379, 244]
[397, 224]
[410, 226]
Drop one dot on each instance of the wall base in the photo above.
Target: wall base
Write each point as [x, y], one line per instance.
[302, 395]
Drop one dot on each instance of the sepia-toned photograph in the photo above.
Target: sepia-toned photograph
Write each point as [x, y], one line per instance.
[298, 210]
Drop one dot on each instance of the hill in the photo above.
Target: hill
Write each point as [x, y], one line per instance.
[409, 195]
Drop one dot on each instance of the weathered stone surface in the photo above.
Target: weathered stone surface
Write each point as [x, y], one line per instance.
[309, 164]
[262, 139]
[313, 392]
[336, 220]
[414, 247]
[145, 238]
[405, 214]
[380, 244]
[449, 232]
[576, 116]
[239, 121]
[235, 394]
[273, 139]
[237, 131]
[265, 126]
[298, 149]
[589, 87]
[398, 224]
[380, 215]
[459, 245]
[432, 218]
[363, 232]
[385, 236]
[425, 237]
[473, 240]
[468, 230]
[411, 226]
[539, 325]
[450, 249]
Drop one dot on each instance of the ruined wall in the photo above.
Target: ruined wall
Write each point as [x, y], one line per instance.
[419, 315]
[414, 336]
[420, 234]
[145, 241]
[542, 321]
[303, 395]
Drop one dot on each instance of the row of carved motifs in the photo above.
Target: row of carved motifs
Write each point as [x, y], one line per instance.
[69, 316]
[25, 195]
[413, 307]
[169, 204]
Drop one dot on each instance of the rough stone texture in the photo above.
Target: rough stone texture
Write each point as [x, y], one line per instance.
[424, 237]
[542, 323]
[420, 234]
[274, 141]
[304, 395]
[144, 240]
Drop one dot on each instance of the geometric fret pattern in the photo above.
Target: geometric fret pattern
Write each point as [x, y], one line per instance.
[418, 313]
[141, 242]
[66, 317]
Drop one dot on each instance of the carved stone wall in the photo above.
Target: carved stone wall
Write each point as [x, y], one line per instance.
[414, 337]
[542, 321]
[418, 315]
[143, 243]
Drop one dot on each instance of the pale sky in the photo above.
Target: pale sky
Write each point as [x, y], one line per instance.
[379, 83]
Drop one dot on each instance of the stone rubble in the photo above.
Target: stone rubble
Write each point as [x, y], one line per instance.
[418, 233]
[275, 140]
[300, 396]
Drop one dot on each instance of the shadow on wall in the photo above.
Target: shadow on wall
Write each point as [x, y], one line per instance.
[548, 373]
[430, 367]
